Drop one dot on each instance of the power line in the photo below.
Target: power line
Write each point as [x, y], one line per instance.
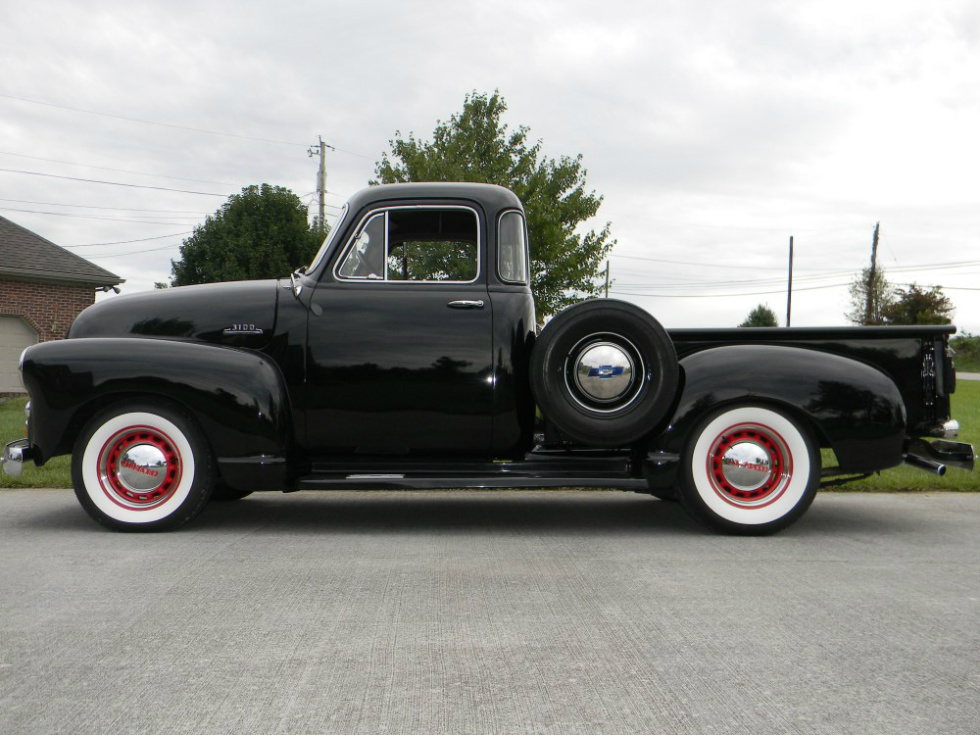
[171, 125]
[724, 295]
[747, 228]
[949, 288]
[116, 170]
[897, 269]
[88, 216]
[746, 282]
[123, 242]
[112, 183]
[718, 272]
[132, 252]
[94, 206]
[694, 265]
[149, 122]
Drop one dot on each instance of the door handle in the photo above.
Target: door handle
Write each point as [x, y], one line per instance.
[466, 304]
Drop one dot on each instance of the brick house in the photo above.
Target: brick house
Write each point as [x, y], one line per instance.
[43, 287]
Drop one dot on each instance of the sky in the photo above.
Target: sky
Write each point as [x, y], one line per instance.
[713, 130]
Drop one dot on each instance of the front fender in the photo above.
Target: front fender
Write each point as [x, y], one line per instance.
[852, 407]
[238, 397]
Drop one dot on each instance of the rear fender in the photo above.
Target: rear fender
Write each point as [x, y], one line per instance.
[851, 407]
[238, 397]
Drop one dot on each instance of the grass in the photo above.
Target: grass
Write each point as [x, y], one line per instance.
[966, 409]
[56, 473]
[967, 349]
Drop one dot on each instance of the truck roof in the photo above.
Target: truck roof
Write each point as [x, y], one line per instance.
[493, 197]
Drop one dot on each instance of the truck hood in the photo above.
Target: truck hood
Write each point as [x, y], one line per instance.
[237, 313]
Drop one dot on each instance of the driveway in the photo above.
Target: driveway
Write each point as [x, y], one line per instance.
[478, 612]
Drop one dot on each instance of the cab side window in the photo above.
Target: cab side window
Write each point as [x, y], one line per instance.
[416, 244]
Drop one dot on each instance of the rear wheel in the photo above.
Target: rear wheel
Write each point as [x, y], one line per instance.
[749, 470]
[145, 467]
[604, 372]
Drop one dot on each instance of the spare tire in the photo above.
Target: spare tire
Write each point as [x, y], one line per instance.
[604, 372]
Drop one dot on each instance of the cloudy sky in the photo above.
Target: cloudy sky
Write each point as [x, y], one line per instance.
[714, 130]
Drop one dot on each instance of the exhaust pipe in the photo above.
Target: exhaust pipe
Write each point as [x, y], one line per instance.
[925, 464]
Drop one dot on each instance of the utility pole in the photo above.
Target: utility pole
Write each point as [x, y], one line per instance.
[789, 286]
[320, 149]
[869, 302]
[607, 279]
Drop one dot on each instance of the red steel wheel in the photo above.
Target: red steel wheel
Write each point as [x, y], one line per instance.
[750, 465]
[139, 467]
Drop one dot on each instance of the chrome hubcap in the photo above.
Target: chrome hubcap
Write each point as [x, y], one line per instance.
[750, 465]
[746, 466]
[142, 468]
[604, 372]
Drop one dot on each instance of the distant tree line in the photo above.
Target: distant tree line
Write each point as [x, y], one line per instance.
[889, 304]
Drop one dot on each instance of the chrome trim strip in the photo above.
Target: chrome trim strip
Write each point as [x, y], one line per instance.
[260, 459]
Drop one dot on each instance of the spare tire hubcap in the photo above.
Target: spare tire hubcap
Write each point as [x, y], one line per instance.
[604, 372]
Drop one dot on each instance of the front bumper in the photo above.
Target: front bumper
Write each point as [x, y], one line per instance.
[14, 455]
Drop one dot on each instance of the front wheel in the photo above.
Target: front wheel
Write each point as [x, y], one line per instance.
[145, 467]
[749, 470]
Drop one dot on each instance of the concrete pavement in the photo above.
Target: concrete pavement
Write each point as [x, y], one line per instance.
[478, 612]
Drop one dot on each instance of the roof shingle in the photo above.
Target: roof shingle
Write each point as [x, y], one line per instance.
[27, 256]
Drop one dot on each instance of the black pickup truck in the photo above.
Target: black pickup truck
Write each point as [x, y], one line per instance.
[406, 356]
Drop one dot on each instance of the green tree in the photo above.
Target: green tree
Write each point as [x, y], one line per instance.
[880, 290]
[474, 145]
[966, 347]
[261, 233]
[760, 316]
[916, 305]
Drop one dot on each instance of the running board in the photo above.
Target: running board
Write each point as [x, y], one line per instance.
[537, 470]
[394, 482]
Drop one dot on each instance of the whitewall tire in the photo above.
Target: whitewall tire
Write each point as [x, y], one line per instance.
[750, 470]
[142, 468]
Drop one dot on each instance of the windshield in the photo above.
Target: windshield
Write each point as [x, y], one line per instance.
[333, 228]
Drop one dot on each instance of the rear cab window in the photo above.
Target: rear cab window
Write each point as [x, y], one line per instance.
[512, 248]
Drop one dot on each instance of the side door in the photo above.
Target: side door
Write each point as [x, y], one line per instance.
[400, 338]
